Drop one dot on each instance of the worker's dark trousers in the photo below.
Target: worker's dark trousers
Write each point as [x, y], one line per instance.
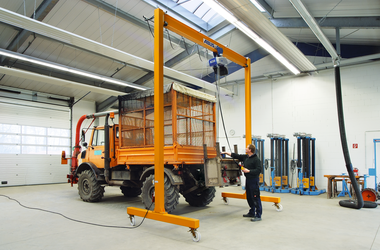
[253, 196]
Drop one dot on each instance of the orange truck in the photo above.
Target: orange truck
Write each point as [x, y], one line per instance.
[123, 154]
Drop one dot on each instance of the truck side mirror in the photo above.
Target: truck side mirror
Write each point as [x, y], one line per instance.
[84, 144]
[83, 137]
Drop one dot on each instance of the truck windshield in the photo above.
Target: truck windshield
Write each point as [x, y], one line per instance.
[98, 139]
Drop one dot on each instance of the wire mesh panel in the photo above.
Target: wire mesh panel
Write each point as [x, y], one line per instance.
[132, 133]
[149, 125]
[137, 119]
[194, 119]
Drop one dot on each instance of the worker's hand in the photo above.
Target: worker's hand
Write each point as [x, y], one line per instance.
[245, 170]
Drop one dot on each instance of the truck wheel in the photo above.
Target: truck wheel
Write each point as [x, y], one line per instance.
[200, 198]
[171, 194]
[130, 191]
[89, 188]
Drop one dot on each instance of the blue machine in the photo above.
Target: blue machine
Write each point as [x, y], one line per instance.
[218, 63]
[372, 171]
[306, 166]
[259, 144]
[279, 179]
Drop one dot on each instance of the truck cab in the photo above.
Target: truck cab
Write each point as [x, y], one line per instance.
[94, 152]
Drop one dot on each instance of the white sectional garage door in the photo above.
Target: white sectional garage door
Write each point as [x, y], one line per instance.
[32, 137]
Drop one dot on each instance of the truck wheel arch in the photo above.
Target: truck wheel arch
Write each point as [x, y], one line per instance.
[88, 166]
[174, 179]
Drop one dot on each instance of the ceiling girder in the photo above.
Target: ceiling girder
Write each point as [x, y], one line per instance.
[183, 55]
[41, 12]
[132, 19]
[266, 7]
[43, 9]
[314, 26]
[103, 106]
[329, 22]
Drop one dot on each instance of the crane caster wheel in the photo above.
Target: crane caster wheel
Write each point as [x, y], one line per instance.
[278, 207]
[196, 235]
[226, 200]
[133, 220]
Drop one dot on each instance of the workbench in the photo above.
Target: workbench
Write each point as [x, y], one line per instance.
[334, 178]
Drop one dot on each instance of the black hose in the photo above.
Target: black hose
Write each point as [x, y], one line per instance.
[359, 203]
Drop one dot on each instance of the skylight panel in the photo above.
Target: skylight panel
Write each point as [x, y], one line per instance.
[257, 5]
[209, 15]
[190, 5]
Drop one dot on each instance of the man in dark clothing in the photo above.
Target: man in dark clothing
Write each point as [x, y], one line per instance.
[252, 170]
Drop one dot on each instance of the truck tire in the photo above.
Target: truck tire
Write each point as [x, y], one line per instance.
[89, 188]
[171, 194]
[200, 198]
[130, 191]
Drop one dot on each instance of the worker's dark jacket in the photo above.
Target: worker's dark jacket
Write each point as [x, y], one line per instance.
[253, 163]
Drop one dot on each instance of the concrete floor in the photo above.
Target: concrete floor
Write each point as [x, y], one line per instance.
[306, 222]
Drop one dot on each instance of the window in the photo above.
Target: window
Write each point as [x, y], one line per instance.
[21, 139]
[98, 139]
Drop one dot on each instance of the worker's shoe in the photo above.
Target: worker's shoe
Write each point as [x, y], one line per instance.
[249, 215]
[256, 219]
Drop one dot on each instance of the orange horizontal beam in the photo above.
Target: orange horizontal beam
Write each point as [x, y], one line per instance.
[193, 35]
[244, 196]
[164, 217]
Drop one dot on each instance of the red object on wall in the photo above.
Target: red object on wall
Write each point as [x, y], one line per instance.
[356, 172]
[355, 145]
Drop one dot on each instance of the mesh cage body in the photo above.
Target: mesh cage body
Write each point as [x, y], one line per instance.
[188, 120]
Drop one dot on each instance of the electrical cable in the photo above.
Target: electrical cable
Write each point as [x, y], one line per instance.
[221, 113]
[75, 220]
[199, 53]
[147, 21]
[221, 116]
[170, 40]
[184, 43]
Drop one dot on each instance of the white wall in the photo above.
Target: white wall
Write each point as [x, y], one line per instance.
[308, 104]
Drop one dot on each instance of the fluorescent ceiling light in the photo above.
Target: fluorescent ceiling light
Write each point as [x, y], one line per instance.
[70, 70]
[243, 28]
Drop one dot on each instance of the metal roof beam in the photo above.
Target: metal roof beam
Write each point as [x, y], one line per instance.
[329, 22]
[129, 18]
[266, 7]
[43, 9]
[41, 12]
[103, 106]
[314, 26]
[183, 55]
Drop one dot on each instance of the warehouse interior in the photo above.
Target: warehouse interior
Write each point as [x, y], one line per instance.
[62, 59]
